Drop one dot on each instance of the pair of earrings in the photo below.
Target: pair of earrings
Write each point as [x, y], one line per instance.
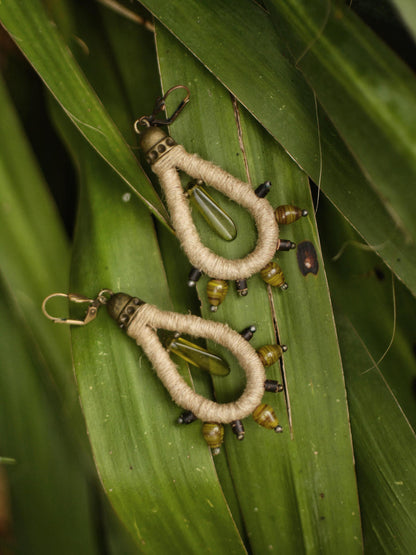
[140, 320]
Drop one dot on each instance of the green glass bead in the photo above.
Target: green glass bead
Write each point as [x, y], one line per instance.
[269, 354]
[198, 356]
[214, 215]
[216, 292]
[273, 275]
[265, 416]
[288, 213]
[214, 435]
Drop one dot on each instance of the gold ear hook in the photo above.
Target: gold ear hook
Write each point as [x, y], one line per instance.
[94, 304]
[159, 106]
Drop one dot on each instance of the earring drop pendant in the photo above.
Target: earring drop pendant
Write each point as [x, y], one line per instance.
[167, 158]
[197, 356]
[213, 214]
[141, 322]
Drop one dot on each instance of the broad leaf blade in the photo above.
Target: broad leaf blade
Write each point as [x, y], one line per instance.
[357, 78]
[50, 495]
[287, 473]
[375, 323]
[39, 40]
[35, 262]
[237, 43]
[385, 449]
[381, 311]
[407, 9]
[37, 390]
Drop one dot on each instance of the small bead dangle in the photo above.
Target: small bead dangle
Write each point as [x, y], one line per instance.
[213, 433]
[238, 429]
[287, 214]
[269, 354]
[272, 274]
[141, 321]
[166, 157]
[216, 292]
[265, 416]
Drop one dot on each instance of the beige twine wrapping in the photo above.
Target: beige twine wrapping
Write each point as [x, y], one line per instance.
[148, 318]
[200, 256]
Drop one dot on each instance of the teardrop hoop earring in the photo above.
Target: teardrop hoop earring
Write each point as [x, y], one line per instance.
[166, 157]
[141, 320]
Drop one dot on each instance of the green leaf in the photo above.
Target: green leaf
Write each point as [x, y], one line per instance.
[407, 10]
[384, 446]
[382, 312]
[375, 324]
[37, 391]
[237, 43]
[128, 42]
[34, 253]
[287, 479]
[357, 78]
[40, 41]
[50, 496]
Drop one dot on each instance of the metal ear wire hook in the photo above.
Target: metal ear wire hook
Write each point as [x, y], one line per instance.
[94, 304]
[160, 104]
[75, 298]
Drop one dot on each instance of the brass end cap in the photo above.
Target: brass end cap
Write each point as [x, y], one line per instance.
[121, 307]
[155, 143]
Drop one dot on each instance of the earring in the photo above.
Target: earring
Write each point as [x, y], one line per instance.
[140, 320]
[166, 157]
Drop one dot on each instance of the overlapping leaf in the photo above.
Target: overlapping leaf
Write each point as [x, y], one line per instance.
[38, 38]
[357, 78]
[386, 476]
[49, 488]
[37, 390]
[407, 10]
[375, 324]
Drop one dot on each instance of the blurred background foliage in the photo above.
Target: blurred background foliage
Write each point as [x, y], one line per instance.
[319, 97]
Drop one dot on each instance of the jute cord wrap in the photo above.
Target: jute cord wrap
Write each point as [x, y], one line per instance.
[199, 255]
[142, 328]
